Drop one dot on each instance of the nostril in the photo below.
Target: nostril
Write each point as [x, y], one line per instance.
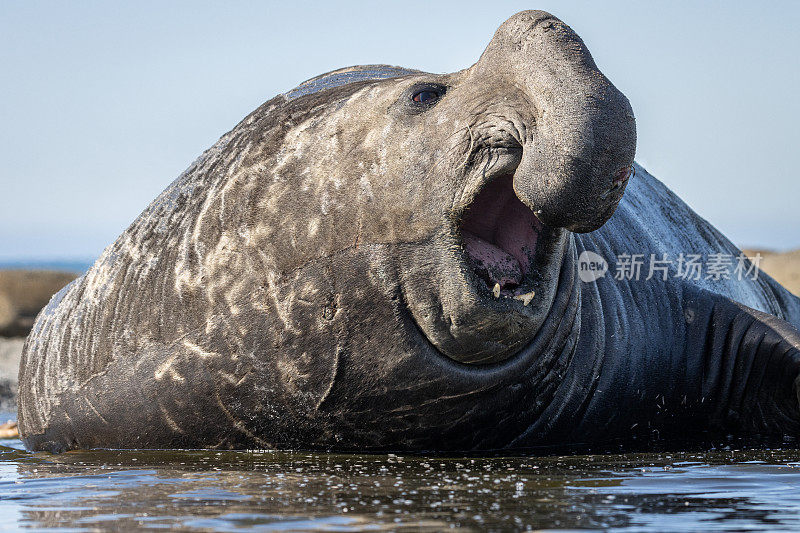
[622, 175]
[619, 180]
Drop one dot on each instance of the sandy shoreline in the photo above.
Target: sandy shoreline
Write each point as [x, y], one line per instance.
[10, 352]
[783, 266]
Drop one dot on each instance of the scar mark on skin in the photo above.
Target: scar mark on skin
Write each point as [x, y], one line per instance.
[91, 406]
[198, 350]
[230, 378]
[167, 368]
[242, 380]
[334, 376]
[238, 423]
[168, 419]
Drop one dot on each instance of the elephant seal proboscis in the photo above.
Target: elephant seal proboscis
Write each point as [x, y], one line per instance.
[386, 259]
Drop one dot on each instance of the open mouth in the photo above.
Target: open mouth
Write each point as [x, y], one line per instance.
[500, 236]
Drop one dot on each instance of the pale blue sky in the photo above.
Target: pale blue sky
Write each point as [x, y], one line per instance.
[104, 103]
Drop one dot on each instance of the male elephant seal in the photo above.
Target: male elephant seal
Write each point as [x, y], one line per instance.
[386, 259]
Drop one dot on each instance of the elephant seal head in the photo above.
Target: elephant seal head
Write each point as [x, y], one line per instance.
[477, 178]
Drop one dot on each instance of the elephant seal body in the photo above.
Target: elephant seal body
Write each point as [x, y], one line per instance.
[388, 259]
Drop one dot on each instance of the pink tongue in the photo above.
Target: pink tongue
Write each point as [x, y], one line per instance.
[501, 267]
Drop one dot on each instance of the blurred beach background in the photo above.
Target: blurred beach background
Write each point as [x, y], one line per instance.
[105, 103]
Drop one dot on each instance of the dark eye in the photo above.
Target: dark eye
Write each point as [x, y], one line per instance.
[426, 96]
[421, 97]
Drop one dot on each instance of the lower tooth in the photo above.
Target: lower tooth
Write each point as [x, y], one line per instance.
[526, 298]
[496, 290]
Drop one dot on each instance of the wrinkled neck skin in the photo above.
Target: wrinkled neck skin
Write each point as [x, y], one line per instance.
[432, 402]
[672, 361]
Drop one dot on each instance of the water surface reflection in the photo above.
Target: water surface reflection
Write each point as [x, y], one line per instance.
[294, 491]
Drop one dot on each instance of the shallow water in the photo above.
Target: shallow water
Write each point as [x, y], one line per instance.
[297, 491]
